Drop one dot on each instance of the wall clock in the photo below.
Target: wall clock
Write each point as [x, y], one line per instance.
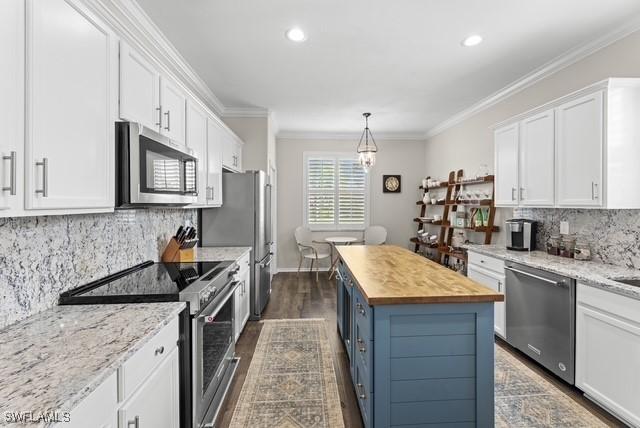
[391, 184]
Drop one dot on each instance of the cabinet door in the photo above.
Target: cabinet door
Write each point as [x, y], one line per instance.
[246, 295]
[238, 152]
[496, 283]
[139, 89]
[72, 102]
[173, 103]
[607, 353]
[156, 403]
[214, 163]
[228, 151]
[11, 107]
[537, 153]
[237, 315]
[197, 141]
[506, 165]
[579, 152]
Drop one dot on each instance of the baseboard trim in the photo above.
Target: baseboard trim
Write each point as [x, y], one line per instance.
[302, 270]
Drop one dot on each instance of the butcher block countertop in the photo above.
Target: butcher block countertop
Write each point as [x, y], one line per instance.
[391, 275]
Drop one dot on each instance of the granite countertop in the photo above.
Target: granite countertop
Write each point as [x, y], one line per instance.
[589, 272]
[391, 275]
[213, 254]
[52, 360]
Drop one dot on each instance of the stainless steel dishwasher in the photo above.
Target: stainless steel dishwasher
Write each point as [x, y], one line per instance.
[541, 317]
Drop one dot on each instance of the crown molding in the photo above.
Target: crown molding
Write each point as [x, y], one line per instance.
[379, 136]
[568, 58]
[246, 112]
[134, 26]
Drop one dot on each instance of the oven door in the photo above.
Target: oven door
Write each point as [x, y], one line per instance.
[159, 171]
[213, 350]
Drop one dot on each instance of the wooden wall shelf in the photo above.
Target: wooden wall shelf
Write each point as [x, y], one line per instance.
[453, 185]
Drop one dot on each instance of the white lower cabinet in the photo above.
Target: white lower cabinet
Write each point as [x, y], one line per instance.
[608, 351]
[143, 393]
[243, 296]
[156, 403]
[490, 273]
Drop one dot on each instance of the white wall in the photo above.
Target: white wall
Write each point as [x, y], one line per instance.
[470, 143]
[254, 131]
[393, 211]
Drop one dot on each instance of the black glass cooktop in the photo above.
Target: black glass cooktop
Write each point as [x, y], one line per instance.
[146, 282]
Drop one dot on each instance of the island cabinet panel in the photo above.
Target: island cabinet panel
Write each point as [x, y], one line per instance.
[421, 351]
[433, 365]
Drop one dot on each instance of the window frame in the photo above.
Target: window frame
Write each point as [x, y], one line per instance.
[336, 157]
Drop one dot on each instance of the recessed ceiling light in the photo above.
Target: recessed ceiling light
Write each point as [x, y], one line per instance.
[472, 40]
[296, 34]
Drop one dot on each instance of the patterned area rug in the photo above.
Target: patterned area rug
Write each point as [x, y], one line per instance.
[525, 399]
[291, 381]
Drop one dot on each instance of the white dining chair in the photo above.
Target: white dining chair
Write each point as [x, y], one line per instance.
[307, 250]
[375, 235]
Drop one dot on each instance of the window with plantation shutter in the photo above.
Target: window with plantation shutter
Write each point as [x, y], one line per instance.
[336, 192]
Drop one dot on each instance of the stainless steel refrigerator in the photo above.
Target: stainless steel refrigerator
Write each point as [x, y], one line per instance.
[244, 219]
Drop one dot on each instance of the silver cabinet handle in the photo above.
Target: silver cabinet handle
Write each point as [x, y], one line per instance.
[361, 393]
[12, 174]
[360, 308]
[45, 181]
[159, 350]
[522, 193]
[499, 286]
[594, 190]
[210, 193]
[135, 422]
[159, 122]
[361, 348]
[538, 277]
[513, 193]
[168, 114]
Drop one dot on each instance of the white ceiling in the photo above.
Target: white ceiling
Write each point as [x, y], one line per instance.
[399, 59]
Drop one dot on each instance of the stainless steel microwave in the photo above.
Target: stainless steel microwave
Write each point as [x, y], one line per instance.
[153, 170]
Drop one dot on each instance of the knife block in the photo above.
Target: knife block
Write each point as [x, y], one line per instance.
[174, 252]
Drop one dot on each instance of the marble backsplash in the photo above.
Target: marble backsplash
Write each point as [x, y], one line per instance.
[40, 257]
[614, 235]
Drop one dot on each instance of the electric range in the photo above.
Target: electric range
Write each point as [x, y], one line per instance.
[206, 346]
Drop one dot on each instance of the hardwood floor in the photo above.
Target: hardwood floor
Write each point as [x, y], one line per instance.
[302, 297]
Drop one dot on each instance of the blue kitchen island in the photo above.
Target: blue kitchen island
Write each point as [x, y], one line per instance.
[419, 338]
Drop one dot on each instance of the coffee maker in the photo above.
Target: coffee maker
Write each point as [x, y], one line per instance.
[521, 234]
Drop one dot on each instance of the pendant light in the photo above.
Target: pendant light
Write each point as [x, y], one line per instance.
[367, 151]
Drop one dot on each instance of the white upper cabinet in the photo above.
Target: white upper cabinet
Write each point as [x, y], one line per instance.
[139, 89]
[580, 151]
[71, 99]
[197, 141]
[506, 165]
[214, 162]
[232, 152]
[11, 107]
[173, 103]
[537, 153]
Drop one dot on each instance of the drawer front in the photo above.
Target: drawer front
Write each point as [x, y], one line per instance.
[361, 381]
[137, 368]
[363, 315]
[617, 304]
[486, 262]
